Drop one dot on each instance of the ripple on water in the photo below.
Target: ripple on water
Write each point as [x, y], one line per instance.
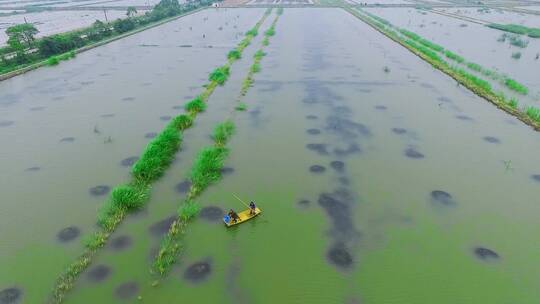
[10, 295]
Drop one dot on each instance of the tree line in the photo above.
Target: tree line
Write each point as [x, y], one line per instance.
[24, 49]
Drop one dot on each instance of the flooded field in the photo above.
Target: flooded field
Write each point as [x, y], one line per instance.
[49, 23]
[475, 42]
[496, 16]
[380, 180]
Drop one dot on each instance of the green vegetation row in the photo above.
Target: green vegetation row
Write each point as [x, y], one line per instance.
[24, 49]
[205, 171]
[517, 29]
[155, 159]
[482, 88]
[510, 83]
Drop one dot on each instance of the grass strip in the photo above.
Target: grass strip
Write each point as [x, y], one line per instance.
[477, 85]
[155, 159]
[205, 171]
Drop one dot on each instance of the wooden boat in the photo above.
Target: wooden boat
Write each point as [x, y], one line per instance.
[243, 217]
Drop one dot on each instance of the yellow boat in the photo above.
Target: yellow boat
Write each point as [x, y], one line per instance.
[243, 217]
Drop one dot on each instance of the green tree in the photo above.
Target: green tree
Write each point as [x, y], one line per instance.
[21, 34]
[131, 11]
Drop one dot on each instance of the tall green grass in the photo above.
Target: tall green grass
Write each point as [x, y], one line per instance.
[234, 55]
[220, 75]
[207, 168]
[196, 105]
[533, 113]
[517, 29]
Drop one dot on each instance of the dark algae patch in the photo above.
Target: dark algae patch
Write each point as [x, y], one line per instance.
[399, 131]
[313, 131]
[67, 139]
[32, 169]
[351, 149]
[165, 118]
[303, 203]
[227, 170]
[319, 148]
[338, 165]
[491, 139]
[127, 290]
[336, 207]
[339, 256]
[413, 153]
[311, 117]
[442, 198]
[485, 253]
[380, 107]
[150, 135]
[6, 123]
[183, 187]
[161, 227]
[98, 273]
[464, 117]
[536, 177]
[130, 161]
[10, 295]
[121, 242]
[68, 234]
[198, 272]
[99, 190]
[317, 169]
[211, 213]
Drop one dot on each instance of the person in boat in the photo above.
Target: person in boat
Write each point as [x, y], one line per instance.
[252, 208]
[233, 215]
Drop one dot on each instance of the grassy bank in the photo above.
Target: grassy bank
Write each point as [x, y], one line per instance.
[155, 159]
[517, 29]
[50, 50]
[479, 86]
[205, 171]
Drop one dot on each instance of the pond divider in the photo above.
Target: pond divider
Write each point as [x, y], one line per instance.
[155, 159]
[206, 170]
[430, 53]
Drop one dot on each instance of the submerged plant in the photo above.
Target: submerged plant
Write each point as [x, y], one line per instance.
[241, 107]
[255, 68]
[223, 132]
[516, 55]
[453, 56]
[516, 86]
[386, 69]
[259, 55]
[252, 32]
[270, 32]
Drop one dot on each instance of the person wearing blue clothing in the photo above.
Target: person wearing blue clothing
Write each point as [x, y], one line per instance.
[252, 208]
